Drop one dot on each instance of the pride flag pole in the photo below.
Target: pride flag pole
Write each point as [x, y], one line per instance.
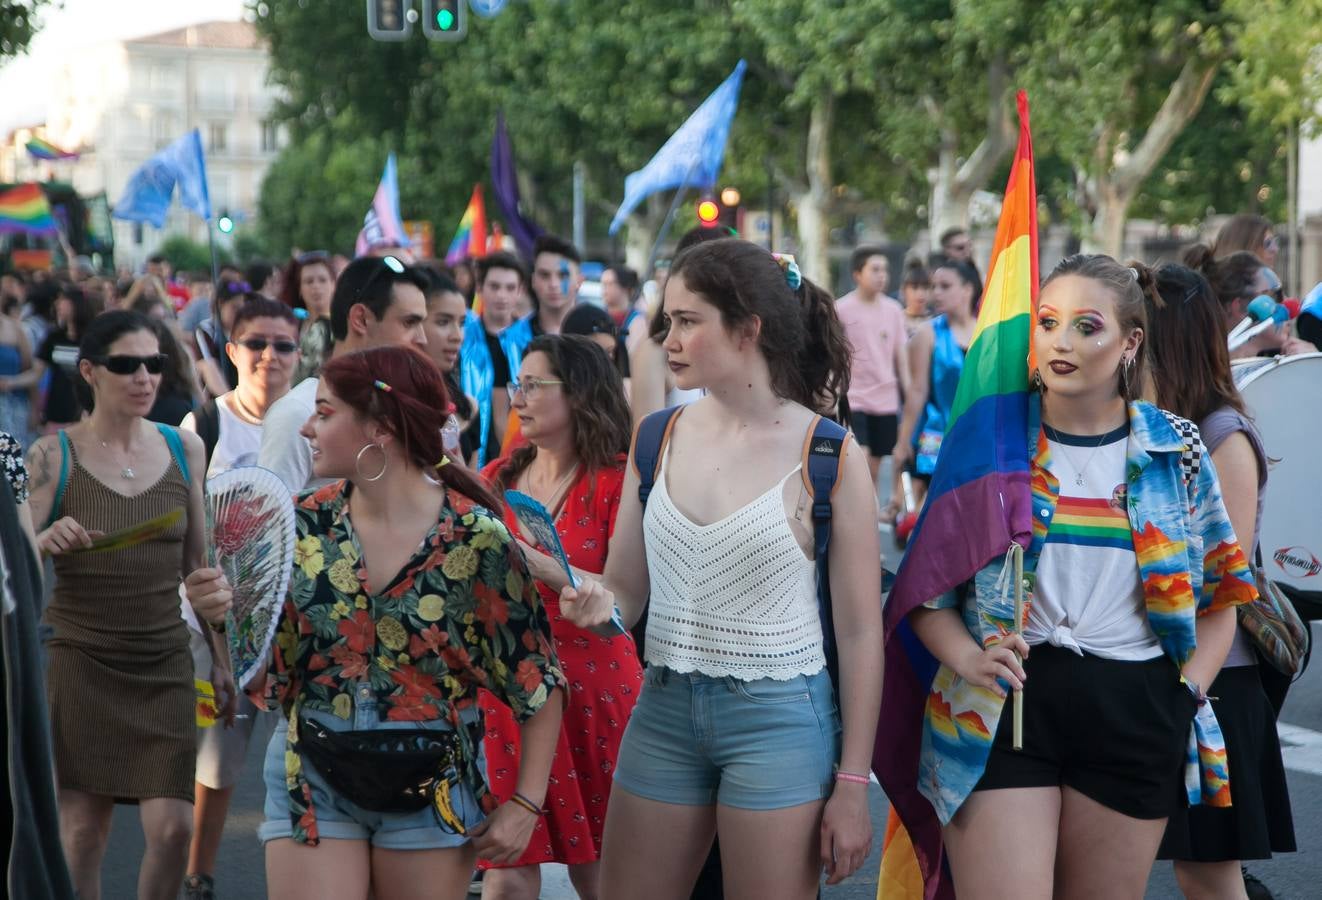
[1017, 557]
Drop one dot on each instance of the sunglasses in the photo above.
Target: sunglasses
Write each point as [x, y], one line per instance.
[388, 264]
[259, 345]
[121, 364]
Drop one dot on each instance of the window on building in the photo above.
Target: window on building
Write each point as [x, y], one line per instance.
[270, 137]
[216, 134]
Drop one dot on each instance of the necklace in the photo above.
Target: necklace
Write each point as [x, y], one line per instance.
[553, 499]
[243, 411]
[127, 472]
[1056, 436]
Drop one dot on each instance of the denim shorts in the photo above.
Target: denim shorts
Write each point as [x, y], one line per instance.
[339, 819]
[698, 740]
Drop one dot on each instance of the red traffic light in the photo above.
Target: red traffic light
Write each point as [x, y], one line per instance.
[709, 213]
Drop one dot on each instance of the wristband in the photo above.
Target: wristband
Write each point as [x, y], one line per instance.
[852, 778]
[527, 804]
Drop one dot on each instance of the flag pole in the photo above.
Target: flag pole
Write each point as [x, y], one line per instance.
[215, 267]
[1017, 555]
[669, 219]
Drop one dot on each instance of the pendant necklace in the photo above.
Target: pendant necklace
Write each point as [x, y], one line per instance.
[127, 472]
[1078, 472]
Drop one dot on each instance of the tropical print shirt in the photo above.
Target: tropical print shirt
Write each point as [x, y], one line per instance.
[462, 614]
[1189, 563]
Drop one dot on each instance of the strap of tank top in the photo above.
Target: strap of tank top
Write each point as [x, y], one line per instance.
[64, 479]
[176, 445]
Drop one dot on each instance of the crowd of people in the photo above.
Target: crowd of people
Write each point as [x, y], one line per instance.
[448, 707]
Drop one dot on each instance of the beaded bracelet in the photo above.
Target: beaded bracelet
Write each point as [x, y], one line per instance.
[527, 804]
[852, 778]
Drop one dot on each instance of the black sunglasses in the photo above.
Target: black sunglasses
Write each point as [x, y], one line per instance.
[259, 345]
[121, 364]
[388, 264]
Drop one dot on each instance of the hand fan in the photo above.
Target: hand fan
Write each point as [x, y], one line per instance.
[534, 517]
[250, 519]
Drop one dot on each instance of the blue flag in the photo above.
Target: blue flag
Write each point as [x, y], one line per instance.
[147, 196]
[693, 155]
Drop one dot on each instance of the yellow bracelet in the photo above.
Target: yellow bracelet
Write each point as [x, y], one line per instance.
[526, 803]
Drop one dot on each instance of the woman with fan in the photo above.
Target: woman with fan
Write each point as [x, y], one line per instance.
[406, 596]
[263, 348]
[121, 676]
[571, 408]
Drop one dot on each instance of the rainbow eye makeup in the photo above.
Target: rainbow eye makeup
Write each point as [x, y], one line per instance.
[1089, 323]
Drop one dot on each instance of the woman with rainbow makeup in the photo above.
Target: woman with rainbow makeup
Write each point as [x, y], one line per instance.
[1133, 575]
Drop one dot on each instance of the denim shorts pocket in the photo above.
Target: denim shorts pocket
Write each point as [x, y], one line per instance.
[654, 676]
[770, 692]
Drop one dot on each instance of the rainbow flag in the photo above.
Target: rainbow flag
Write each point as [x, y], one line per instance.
[24, 210]
[470, 241]
[979, 502]
[44, 149]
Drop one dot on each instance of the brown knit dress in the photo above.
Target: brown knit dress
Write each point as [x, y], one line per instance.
[121, 677]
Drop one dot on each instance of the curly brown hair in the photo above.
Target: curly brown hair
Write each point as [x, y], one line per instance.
[598, 412]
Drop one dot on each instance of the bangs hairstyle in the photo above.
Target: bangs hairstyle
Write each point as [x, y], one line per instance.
[413, 410]
[801, 337]
[1186, 340]
[255, 306]
[598, 413]
[1127, 287]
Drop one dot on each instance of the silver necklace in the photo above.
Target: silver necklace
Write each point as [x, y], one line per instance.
[1078, 472]
[127, 472]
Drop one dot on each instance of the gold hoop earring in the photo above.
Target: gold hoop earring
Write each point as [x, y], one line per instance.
[358, 462]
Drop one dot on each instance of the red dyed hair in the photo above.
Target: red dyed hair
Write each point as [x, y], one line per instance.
[413, 409]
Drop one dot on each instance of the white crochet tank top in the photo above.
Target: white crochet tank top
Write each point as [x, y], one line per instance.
[735, 598]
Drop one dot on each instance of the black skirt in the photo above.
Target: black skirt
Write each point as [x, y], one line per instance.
[1258, 822]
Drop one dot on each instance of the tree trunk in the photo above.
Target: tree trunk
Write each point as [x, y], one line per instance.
[954, 185]
[813, 204]
[643, 226]
[1117, 186]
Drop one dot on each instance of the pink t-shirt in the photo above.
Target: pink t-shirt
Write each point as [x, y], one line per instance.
[873, 328]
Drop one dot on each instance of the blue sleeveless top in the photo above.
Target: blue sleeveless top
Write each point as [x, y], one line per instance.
[947, 364]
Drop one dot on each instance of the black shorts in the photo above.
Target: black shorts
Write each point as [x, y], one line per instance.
[1114, 731]
[874, 431]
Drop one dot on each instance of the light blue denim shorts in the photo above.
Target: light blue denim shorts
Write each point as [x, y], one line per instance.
[699, 740]
[339, 819]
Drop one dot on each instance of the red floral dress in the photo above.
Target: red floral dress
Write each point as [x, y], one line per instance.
[604, 678]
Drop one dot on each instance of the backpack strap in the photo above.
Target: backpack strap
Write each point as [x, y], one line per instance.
[176, 445]
[206, 423]
[823, 449]
[64, 479]
[649, 444]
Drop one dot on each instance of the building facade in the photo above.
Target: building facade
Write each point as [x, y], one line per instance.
[120, 102]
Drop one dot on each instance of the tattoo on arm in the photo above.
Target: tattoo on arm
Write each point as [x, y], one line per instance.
[39, 463]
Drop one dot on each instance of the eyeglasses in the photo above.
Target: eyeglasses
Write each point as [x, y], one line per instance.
[259, 345]
[1271, 242]
[122, 364]
[528, 387]
[388, 263]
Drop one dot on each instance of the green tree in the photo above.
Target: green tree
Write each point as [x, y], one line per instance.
[18, 25]
[186, 254]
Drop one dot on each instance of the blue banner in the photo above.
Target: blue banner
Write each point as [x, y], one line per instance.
[146, 198]
[693, 155]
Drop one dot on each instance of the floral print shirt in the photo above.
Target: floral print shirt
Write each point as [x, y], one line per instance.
[462, 614]
[1188, 561]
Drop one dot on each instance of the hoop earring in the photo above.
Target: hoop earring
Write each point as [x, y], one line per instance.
[358, 462]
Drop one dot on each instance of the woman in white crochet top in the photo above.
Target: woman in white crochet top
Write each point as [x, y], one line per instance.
[738, 729]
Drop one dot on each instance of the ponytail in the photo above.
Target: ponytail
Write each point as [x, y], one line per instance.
[825, 359]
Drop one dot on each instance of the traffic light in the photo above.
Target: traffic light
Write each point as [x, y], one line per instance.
[730, 200]
[444, 20]
[225, 224]
[389, 20]
[709, 212]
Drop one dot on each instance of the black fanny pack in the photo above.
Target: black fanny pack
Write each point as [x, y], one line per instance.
[392, 770]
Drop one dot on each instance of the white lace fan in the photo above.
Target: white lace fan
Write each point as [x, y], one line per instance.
[250, 520]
